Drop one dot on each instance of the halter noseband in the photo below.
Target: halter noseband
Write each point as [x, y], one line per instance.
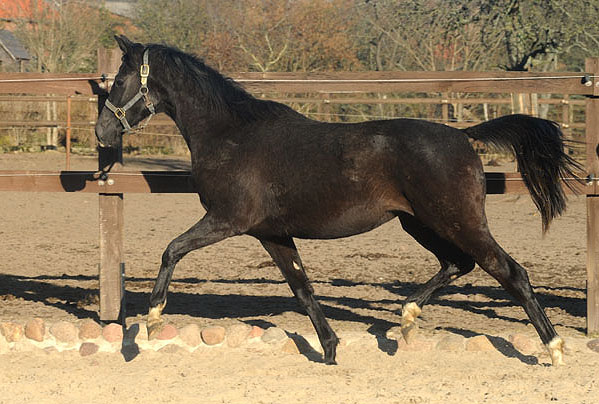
[119, 113]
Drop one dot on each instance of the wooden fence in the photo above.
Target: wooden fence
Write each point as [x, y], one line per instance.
[451, 109]
[111, 185]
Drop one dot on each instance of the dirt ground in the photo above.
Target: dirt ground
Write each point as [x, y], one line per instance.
[48, 269]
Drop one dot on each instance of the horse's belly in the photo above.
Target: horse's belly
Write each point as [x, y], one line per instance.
[348, 223]
[332, 211]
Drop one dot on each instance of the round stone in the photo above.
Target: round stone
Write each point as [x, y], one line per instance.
[169, 331]
[113, 332]
[451, 343]
[35, 329]
[256, 332]
[479, 343]
[593, 345]
[88, 348]
[524, 344]
[11, 331]
[89, 329]
[237, 334]
[190, 334]
[274, 335]
[290, 347]
[64, 332]
[213, 335]
[416, 344]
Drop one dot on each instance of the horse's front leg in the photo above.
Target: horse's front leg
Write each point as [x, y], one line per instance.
[208, 230]
[285, 255]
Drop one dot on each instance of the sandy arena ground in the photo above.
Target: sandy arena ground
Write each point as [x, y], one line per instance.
[48, 269]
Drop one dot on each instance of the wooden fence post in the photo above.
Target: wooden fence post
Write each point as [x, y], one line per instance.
[445, 108]
[326, 107]
[566, 112]
[592, 152]
[112, 266]
[68, 134]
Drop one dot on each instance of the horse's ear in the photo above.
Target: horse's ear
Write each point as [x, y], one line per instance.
[124, 43]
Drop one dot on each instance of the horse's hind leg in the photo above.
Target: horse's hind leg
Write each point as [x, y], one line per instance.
[454, 263]
[285, 255]
[473, 238]
[491, 258]
[208, 230]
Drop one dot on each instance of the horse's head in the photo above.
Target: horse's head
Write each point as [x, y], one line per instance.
[133, 96]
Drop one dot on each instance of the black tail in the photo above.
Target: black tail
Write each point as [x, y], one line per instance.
[538, 145]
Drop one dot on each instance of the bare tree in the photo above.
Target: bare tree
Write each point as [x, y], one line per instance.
[181, 23]
[423, 35]
[534, 33]
[259, 30]
[62, 36]
[259, 35]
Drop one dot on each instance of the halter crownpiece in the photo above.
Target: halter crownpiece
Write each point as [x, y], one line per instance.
[120, 112]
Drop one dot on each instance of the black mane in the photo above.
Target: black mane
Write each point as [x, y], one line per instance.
[223, 95]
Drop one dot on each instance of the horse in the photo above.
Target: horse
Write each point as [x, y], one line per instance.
[262, 169]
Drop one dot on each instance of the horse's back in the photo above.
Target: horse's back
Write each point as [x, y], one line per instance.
[322, 180]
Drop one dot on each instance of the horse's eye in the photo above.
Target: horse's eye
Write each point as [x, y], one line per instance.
[119, 82]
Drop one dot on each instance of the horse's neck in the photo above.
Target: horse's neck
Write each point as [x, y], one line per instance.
[195, 120]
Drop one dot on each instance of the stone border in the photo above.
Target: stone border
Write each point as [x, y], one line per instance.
[89, 337]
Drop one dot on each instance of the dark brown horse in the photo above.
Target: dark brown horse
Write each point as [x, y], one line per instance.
[264, 170]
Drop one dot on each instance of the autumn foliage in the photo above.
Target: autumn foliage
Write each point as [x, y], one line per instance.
[259, 35]
[319, 35]
[11, 10]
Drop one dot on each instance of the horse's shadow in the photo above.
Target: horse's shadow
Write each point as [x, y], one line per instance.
[48, 291]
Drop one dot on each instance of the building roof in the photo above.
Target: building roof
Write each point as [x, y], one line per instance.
[125, 8]
[12, 46]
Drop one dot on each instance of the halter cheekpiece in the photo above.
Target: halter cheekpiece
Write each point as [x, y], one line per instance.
[119, 112]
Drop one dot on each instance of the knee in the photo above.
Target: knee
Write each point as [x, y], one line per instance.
[462, 262]
[170, 256]
[459, 267]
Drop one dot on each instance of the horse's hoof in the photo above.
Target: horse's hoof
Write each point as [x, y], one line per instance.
[154, 329]
[408, 332]
[393, 333]
[330, 359]
[410, 312]
[556, 350]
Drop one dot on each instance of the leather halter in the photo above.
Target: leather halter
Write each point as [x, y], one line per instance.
[119, 112]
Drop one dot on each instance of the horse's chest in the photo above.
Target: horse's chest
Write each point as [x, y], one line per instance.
[226, 184]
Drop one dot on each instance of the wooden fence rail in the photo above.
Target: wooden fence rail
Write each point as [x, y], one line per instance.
[164, 126]
[112, 186]
[358, 82]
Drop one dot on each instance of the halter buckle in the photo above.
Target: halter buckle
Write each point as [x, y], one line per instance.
[119, 113]
[144, 72]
